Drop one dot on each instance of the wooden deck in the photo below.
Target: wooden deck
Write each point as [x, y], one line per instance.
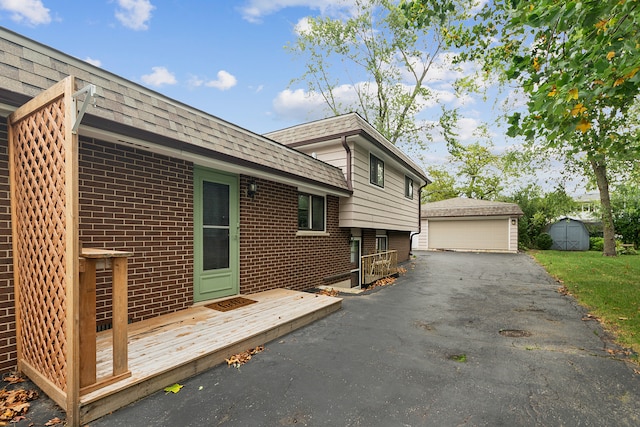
[171, 348]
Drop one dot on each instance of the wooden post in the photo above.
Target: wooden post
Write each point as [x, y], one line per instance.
[120, 315]
[88, 322]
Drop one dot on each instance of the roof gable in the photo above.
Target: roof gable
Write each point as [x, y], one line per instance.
[337, 126]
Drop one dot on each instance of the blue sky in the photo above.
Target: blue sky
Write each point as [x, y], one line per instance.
[225, 58]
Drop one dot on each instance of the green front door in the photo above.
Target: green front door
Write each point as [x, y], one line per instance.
[216, 223]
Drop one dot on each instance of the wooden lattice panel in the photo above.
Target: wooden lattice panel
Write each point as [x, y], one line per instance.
[39, 177]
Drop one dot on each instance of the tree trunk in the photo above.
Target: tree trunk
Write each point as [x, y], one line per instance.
[599, 167]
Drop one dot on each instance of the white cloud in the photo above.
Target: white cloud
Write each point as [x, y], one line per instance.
[224, 81]
[92, 61]
[159, 77]
[299, 105]
[32, 12]
[134, 14]
[302, 27]
[255, 10]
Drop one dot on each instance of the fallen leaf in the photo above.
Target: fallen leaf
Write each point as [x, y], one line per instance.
[239, 359]
[13, 379]
[173, 388]
[53, 421]
[329, 292]
[15, 403]
[623, 318]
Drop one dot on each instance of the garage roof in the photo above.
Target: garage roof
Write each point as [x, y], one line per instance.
[461, 207]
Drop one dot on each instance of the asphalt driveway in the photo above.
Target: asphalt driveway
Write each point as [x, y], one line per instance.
[461, 339]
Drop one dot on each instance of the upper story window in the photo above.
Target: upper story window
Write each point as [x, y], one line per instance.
[311, 212]
[376, 171]
[408, 187]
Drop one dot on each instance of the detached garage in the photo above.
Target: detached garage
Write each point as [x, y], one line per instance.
[462, 224]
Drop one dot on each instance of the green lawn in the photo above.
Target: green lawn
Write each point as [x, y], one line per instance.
[608, 287]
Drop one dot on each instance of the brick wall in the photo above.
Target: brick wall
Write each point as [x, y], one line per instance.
[399, 241]
[7, 304]
[140, 202]
[272, 256]
[368, 241]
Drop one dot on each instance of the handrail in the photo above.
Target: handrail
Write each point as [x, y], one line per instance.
[379, 265]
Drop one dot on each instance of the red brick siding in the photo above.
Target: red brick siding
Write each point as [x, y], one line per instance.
[7, 303]
[368, 241]
[399, 241]
[272, 256]
[140, 202]
[143, 202]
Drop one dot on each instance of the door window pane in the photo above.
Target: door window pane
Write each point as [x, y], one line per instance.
[215, 248]
[215, 222]
[215, 204]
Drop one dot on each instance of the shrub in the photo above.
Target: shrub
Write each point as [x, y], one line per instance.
[544, 241]
[622, 249]
[596, 244]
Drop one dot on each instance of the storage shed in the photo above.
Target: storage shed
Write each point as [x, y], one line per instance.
[569, 235]
[463, 224]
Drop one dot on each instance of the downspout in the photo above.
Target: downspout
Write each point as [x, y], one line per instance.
[419, 218]
[348, 150]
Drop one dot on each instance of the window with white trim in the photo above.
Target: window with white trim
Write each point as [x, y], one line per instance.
[408, 187]
[376, 171]
[311, 212]
[381, 244]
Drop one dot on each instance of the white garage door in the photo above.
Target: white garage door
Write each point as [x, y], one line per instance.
[486, 234]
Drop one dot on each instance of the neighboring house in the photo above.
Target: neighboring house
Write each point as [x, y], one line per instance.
[207, 209]
[463, 224]
[569, 234]
[384, 208]
[588, 208]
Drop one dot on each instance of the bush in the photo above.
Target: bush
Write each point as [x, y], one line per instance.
[596, 244]
[622, 249]
[544, 241]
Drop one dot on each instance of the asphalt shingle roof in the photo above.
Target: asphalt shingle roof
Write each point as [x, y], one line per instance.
[28, 67]
[460, 206]
[334, 127]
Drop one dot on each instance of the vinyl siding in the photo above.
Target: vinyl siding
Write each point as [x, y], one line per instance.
[375, 207]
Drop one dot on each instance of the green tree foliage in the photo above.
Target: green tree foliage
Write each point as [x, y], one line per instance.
[385, 62]
[442, 187]
[625, 204]
[539, 209]
[479, 171]
[577, 61]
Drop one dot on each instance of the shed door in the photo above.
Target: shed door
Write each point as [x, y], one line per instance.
[568, 235]
[574, 236]
[216, 224]
[485, 234]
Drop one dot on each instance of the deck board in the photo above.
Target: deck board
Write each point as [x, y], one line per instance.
[178, 345]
